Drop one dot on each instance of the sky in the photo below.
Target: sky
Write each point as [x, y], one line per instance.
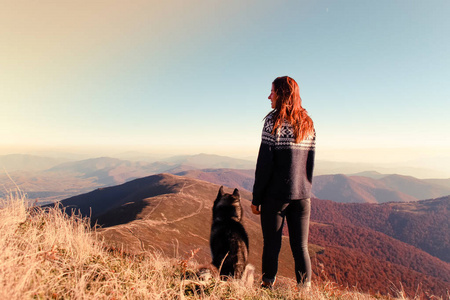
[184, 77]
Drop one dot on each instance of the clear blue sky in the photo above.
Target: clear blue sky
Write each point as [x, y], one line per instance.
[194, 76]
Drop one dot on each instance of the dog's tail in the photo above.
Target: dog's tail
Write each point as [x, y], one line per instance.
[248, 276]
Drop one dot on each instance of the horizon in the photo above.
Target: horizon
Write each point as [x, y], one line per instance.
[324, 166]
[183, 78]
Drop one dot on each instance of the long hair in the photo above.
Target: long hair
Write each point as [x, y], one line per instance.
[289, 108]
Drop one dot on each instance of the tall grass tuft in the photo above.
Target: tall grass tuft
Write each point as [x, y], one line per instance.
[46, 254]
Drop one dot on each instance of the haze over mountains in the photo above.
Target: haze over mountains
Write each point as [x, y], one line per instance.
[371, 246]
[50, 179]
[341, 188]
[389, 188]
[14, 162]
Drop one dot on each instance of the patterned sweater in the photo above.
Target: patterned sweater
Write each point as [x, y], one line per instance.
[284, 169]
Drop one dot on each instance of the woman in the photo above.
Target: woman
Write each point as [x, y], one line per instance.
[283, 180]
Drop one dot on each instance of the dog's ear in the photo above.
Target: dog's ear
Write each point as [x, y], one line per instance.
[221, 193]
[236, 193]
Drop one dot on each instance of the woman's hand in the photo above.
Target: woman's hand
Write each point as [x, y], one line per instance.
[255, 210]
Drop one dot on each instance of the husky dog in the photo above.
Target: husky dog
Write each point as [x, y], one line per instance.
[229, 240]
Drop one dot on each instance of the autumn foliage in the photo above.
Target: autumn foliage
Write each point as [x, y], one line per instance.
[380, 247]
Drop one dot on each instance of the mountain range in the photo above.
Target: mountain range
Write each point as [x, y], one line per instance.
[340, 187]
[389, 188]
[47, 180]
[55, 180]
[372, 247]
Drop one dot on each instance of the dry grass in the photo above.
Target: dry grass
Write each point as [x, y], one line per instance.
[49, 255]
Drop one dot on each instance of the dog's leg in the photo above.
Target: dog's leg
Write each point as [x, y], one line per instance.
[248, 276]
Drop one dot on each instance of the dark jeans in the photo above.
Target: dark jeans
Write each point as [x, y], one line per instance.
[297, 213]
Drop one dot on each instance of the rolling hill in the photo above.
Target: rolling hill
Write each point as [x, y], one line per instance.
[356, 189]
[323, 167]
[110, 171]
[232, 178]
[339, 187]
[423, 224]
[202, 161]
[441, 182]
[173, 214]
[420, 189]
[379, 246]
[164, 212]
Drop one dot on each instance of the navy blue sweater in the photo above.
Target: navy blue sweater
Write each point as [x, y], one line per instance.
[284, 169]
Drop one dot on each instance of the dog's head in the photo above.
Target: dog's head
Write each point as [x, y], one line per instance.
[227, 206]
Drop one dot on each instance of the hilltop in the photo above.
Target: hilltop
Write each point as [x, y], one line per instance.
[164, 212]
[172, 214]
[45, 254]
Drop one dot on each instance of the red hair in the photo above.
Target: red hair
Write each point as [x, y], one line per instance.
[289, 108]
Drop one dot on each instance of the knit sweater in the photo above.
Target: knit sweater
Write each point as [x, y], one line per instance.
[284, 169]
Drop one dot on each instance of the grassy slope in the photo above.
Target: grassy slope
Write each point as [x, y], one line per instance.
[50, 255]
